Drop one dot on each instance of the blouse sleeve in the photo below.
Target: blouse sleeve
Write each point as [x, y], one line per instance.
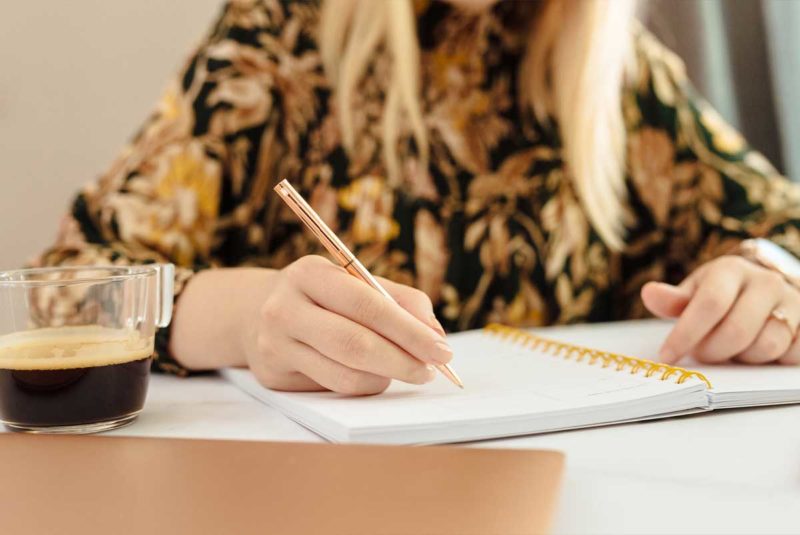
[192, 186]
[697, 188]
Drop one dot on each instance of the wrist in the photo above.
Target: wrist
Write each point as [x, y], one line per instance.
[217, 317]
[254, 287]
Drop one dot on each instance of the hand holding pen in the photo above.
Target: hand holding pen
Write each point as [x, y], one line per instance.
[350, 263]
[323, 328]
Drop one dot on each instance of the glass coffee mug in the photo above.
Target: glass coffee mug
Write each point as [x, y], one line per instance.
[76, 345]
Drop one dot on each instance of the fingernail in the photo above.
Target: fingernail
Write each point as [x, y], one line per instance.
[436, 326]
[443, 352]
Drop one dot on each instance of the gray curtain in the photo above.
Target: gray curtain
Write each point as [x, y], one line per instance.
[744, 56]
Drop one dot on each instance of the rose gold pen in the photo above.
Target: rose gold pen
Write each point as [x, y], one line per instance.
[340, 252]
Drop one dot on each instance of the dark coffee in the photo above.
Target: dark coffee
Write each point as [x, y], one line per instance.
[73, 376]
[73, 396]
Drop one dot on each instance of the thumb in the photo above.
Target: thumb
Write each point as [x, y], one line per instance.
[665, 300]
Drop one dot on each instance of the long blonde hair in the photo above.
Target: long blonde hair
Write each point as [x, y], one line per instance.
[572, 71]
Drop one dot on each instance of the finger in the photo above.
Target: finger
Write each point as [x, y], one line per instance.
[715, 294]
[415, 301]
[792, 355]
[772, 342]
[777, 337]
[280, 375]
[353, 345]
[791, 307]
[691, 282]
[333, 375]
[740, 327]
[290, 382]
[334, 289]
[665, 300]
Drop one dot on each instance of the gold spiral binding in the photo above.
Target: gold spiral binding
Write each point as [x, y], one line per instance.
[579, 353]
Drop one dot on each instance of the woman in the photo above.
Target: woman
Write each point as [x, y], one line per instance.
[528, 163]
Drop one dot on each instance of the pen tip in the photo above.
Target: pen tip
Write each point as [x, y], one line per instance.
[450, 374]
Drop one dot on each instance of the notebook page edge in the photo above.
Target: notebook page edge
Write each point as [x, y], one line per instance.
[465, 432]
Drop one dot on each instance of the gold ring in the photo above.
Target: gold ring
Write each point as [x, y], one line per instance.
[780, 315]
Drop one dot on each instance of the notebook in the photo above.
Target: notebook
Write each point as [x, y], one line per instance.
[98, 485]
[520, 383]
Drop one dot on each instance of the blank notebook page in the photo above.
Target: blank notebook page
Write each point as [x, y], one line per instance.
[504, 381]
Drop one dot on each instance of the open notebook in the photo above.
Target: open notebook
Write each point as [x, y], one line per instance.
[520, 383]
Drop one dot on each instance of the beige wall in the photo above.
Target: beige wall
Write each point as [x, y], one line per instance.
[76, 80]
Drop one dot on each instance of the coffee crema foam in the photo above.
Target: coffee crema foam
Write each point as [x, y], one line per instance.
[62, 348]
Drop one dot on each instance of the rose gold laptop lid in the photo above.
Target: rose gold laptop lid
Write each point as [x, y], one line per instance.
[90, 484]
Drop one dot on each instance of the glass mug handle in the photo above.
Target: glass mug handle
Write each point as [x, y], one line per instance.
[165, 275]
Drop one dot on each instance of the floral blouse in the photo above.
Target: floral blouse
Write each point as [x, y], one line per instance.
[492, 230]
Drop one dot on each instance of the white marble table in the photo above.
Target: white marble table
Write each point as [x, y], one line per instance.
[726, 472]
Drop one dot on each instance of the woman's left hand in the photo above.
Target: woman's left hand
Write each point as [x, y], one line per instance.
[727, 309]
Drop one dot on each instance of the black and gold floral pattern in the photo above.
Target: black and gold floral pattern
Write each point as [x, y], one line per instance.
[492, 230]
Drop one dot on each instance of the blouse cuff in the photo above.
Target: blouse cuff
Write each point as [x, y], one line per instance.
[163, 360]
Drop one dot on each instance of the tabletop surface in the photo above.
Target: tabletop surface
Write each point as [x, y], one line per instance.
[723, 472]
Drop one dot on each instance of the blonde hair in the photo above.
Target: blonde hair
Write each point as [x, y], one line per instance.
[572, 71]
